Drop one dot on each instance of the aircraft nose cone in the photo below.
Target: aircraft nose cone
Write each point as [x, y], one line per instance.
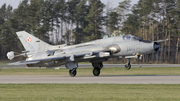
[156, 46]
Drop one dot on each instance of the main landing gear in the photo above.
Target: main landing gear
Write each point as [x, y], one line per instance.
[72, 72]
[72, 66]
[128, 65]
[97, 68]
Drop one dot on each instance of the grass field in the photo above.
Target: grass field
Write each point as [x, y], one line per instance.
[88, 71]
[91, 92]
[88, 92]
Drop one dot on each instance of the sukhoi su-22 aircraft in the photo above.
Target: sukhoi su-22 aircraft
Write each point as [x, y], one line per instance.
[40, 54]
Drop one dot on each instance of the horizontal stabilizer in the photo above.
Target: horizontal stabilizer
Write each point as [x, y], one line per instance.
[23, 63]
[49, 59]
[37, 61]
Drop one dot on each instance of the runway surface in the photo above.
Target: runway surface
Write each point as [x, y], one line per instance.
[112, 79]
[105, 65]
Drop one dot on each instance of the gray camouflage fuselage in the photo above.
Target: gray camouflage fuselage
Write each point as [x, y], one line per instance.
[128, 47]
[40, 54]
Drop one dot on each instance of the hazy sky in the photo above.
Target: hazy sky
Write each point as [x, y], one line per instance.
[15, 3]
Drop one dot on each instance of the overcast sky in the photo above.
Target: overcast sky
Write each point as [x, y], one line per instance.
[15, 3]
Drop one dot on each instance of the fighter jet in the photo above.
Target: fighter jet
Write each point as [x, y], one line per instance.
[40, 54]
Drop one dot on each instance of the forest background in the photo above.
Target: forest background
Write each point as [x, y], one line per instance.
[77, 21]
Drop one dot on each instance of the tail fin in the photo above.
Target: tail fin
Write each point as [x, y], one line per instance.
[31, 43]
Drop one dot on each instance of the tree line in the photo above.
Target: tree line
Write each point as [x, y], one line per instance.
[77, 21]
[156, 20]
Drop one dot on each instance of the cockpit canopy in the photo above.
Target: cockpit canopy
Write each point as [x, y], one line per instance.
[131, 38]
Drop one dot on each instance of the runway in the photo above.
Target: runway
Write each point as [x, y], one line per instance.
[112, 79]
[84, 79]
[105, 65]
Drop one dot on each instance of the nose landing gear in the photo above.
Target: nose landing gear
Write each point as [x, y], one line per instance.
[128, 65]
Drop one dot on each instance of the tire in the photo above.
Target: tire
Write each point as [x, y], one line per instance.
[127, 67]
[96, 71]
[72, 73]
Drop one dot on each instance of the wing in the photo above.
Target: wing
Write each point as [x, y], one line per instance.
[66, 58]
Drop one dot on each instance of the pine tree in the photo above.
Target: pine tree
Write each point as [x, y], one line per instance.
[113, 21]
[95, 19]
[7, 36]
[123, 9]
[21, 17]
[60, 9]
[81, 11]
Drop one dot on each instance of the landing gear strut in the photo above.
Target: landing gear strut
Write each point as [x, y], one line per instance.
[97, 68]
[128, 65]
[72, 72]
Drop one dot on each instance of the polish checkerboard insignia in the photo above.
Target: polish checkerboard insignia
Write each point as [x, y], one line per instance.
[29, 39]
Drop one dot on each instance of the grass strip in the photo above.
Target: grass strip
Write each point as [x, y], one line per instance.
[89, 92]
[88, 71]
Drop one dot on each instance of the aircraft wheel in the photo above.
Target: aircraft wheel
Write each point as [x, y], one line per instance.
[128, 66]
[96, 71]
[72, 73]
